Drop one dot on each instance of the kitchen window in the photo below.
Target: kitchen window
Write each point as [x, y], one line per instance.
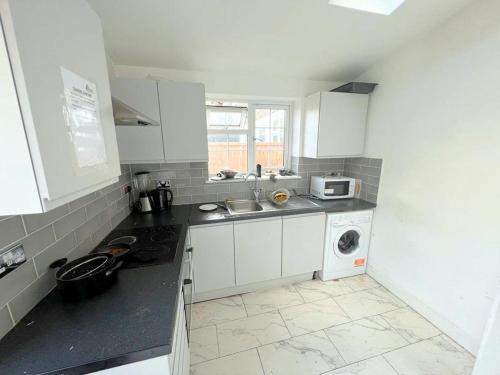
[244, 134]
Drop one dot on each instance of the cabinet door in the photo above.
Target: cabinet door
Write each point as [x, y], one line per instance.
[311, 125]
[257, 250]
[213, 256]
[303, 243]
[184, 122]
[186, 359]
[69, 160]
[139, 94]
[140, 143]
[179, 341]
[342, 124]
[14, 148]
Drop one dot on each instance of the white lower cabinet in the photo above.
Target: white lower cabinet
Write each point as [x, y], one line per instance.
[231, 258]
[257, 250]
[303, 243]
[179, 358]
[213, 256]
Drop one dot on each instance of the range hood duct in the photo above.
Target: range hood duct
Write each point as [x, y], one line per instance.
[125, 115]
[356, 88]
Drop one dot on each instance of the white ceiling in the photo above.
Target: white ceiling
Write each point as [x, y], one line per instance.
[306, 39]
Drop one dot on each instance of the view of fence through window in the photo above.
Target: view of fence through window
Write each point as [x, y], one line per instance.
[241, 135]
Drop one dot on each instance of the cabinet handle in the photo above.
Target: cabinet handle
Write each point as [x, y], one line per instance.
[188, 281]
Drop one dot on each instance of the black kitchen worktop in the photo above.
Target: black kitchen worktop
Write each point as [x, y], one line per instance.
[294, 207]
[133, 320]
[344, 205]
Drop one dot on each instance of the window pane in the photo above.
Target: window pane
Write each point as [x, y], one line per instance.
[222, 103]
[226, 119]
[226, 115]
[227, 151]
[270, 137]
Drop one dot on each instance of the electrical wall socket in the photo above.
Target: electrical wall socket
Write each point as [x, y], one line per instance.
[163, 183]
[11, 259]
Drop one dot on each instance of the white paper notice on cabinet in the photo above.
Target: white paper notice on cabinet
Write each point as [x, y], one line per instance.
[83, 118]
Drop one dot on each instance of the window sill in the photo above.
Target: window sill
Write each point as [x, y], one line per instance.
[263, 178]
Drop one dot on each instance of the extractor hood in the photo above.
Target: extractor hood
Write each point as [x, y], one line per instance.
[127, 116]
[356, 88]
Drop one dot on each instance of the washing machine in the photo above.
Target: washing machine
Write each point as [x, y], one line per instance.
[347, 242]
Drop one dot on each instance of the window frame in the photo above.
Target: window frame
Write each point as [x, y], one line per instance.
[253, 105]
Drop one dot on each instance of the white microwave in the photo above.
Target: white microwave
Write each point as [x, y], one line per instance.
[332, 187]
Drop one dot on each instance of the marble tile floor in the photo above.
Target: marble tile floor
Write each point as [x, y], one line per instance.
[351, 326]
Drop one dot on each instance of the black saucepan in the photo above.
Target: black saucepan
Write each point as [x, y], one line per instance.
[86, 276]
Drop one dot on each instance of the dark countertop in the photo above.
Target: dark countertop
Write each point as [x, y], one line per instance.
[295, 206]
[344, 205]
[133, 320]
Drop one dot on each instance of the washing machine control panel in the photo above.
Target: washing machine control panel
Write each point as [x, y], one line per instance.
[351, 218]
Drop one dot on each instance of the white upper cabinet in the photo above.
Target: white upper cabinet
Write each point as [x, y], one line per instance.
[335, 124]
[139, 94]
[142, 144]
[57, 132]
[176, 117]
[183, 117]
[137, 98]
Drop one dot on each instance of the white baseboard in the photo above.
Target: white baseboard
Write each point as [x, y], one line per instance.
[439, 320]
[226, 292]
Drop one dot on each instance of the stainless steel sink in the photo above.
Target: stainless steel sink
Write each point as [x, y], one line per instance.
[243, 207]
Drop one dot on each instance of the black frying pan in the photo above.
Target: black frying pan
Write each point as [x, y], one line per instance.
[86, 276]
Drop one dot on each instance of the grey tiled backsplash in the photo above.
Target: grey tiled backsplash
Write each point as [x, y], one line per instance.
[368, 170]
[307, 167]
[189, 185]
[70, 231]
[5, 321]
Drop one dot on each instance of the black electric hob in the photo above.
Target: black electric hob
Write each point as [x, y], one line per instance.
[148, 246]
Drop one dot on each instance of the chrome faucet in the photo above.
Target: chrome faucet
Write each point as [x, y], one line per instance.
[256, 191]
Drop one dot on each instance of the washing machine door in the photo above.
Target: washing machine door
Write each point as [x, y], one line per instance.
[348, 242]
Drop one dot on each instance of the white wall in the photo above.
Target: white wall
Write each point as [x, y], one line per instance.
[232, 84]
[435, 121]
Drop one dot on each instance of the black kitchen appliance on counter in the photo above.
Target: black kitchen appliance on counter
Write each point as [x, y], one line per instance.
[86, 276]
[129, 248]
[142, 183]
[162, 197]
[149, 246]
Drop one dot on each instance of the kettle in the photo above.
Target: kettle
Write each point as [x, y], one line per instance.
[162, 197]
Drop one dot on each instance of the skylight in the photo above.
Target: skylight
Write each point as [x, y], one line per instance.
[384, 7]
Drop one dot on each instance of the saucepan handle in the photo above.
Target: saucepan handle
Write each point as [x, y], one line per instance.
[114, 268]
[58, 263]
